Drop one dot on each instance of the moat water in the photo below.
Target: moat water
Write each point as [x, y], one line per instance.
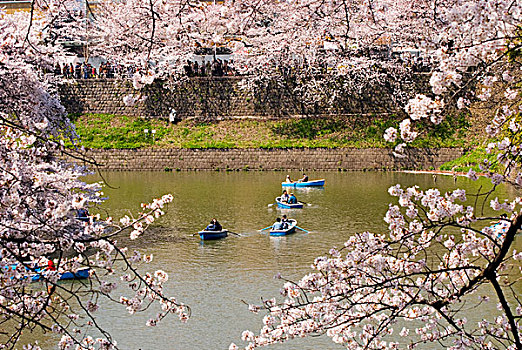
[216, 278]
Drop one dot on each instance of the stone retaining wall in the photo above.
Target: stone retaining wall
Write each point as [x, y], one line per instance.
[223, 97]
[269, 159]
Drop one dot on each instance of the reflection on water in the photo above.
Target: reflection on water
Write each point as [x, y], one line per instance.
[215, 277]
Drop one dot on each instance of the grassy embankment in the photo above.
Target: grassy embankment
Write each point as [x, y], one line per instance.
[109, 131]
[471, 160]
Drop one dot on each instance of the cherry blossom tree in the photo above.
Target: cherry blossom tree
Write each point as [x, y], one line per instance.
[419, 276]
[42, 234]
[441, 258]
[441, 253]
[319, 51]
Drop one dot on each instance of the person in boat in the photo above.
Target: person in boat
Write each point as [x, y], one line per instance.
[83, 214]
[285, 222]
[277, 225]
[285, 197]
[43, 264]
[214, 226]
[304, 178]
[292, 199]
[288, 179]
[50, 265]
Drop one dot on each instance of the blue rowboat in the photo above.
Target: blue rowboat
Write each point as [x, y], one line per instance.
[69, 275]
[291, 229]
[314, 183]
[210, 235]
[285, 205]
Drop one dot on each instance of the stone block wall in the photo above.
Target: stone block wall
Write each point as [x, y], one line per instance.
[214, 98]
[269, 159]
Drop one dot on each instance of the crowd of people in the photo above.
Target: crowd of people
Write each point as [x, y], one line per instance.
[84, 70]
[110, 70]
[218, 68]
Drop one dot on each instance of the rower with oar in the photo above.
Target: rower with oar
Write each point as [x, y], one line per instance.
[291, 198]
[288, 198]
[284, 225]
[285, 222]
[214, 231]
[214, 226]
[288, 201]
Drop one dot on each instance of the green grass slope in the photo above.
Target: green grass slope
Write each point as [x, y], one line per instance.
[111, 131]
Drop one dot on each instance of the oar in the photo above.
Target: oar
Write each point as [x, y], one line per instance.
[302, 229]
[266, 228]
[271, 204]
[300, 201]
[234, 233]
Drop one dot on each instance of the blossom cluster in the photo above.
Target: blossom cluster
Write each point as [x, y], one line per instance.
[45, 226]
[417, 272]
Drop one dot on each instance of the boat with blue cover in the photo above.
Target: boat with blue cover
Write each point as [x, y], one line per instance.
[68, 275]
[291, 229]
[212, 235]
[285, 205]
[313, 183]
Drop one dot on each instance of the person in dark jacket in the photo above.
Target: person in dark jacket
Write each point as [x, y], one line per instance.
[83, 214]
[214, 226]
[285, 222]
